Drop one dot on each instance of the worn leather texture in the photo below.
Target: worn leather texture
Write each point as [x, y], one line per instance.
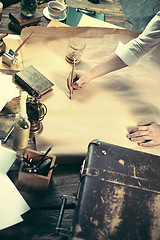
[118, 196]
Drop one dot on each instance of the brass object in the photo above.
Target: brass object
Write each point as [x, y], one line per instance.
[36, 112]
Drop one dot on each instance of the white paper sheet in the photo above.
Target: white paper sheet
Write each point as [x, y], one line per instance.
[87, 21]
[8, 90]
[12, 204]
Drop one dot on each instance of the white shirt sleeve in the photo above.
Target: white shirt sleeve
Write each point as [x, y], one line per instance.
[146, 42]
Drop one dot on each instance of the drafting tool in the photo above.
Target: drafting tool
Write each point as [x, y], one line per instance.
[71, 91]
[8, 134]
[11, 57]
[43, 157]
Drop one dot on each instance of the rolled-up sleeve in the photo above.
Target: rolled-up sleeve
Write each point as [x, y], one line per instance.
[146, 42]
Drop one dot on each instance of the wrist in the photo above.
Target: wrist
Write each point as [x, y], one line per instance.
[91, 74]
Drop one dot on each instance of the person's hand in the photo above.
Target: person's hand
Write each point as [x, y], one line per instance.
[146, 134]
[79, 78]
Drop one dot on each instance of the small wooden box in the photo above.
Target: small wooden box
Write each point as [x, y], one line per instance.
[32, 182]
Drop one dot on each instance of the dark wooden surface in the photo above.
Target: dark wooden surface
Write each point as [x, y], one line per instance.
[16, 7]
[110, 8]
[40, 222]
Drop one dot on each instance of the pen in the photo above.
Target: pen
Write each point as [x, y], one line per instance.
[43, 157]
[8, 134]
[23, 43]
[71, 91]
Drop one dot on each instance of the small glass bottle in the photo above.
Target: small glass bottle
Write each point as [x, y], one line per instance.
[28, 7]
[22, 126]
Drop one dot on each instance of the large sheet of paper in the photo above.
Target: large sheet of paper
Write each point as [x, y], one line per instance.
[12, 204]
[105, 108]
[87, 21]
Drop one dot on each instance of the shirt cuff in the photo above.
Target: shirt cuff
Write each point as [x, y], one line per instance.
[126, 55]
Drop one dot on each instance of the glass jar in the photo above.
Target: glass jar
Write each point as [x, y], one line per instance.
[74, 50]
[28, 7]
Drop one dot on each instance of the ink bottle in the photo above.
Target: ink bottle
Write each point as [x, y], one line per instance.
[28, 7]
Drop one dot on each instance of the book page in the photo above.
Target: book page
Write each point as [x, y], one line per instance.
[12, 204]
[87, 21]
[7, 86]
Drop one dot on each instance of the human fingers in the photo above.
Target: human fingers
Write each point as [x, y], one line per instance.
[147, 144]
[133, 130]
[145, 123]
[136, 133]
[77, 85]
[141, 127]
[69, 80]
[140, 139]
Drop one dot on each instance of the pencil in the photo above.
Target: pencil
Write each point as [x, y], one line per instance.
[8, 134]
[43, 157]
[71, 91]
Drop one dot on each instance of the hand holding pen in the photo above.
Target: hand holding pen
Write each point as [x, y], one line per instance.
[79, 79]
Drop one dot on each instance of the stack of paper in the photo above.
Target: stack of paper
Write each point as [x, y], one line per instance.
[8, 90]
[87, 21]
[12, 205]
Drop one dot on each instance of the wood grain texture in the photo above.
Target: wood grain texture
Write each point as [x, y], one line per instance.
[111, 8]
[12, 9]
[40, 222]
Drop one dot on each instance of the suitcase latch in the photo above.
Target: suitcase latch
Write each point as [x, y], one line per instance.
[92, 172]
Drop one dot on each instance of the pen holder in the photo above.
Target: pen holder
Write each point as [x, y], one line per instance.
[33, 182]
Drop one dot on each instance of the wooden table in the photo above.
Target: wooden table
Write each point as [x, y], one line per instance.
[110, 8]
[12, 9]
[40, 222]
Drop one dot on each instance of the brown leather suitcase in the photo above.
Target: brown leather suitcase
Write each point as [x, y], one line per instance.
[118, 196]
